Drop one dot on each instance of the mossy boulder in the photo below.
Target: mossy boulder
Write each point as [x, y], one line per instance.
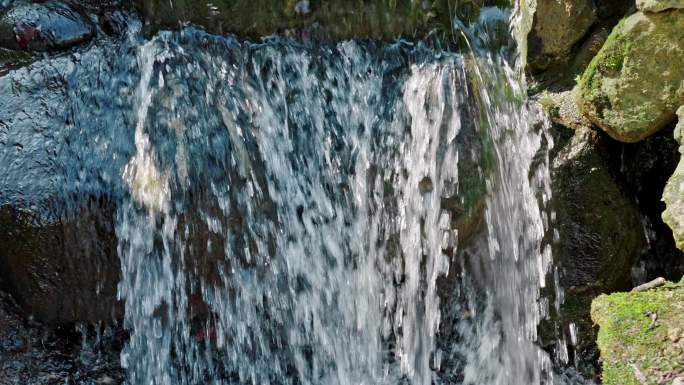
[633, 86]
[673, 196]
[659, 5]
[635, 350]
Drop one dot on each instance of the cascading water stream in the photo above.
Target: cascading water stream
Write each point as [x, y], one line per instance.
[337, 214]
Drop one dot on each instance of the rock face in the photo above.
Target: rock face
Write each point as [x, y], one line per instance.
[599, 226]
[599, 235]
[58, 254]
[40, 26]
[641, 335]
[635, 83]
[556, 28]
[673, 196]
[658, 5]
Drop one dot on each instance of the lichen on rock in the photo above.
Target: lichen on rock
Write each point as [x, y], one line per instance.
[641, 336]
[673, 196]
[633, 86]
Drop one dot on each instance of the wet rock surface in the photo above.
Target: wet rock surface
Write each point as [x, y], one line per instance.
[33, 354]
[598, 236]
[59, 249]
[598, 223]
[45, 25]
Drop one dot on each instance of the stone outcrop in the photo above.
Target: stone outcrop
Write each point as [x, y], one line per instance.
[556, 28]
[635, 83]
[598, 224]
[599, 232]
[673, 196]
[641, 335]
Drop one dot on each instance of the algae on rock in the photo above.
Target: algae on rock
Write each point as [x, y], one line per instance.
[634, 85]
[635, 350]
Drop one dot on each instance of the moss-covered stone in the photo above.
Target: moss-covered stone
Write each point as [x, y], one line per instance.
[635, 83]
[634, 349]
[673, 195]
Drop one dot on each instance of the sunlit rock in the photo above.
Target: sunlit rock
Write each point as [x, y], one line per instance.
[641, 335]
[633, 86]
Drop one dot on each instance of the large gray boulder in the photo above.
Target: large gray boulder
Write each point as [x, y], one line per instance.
[635, 83]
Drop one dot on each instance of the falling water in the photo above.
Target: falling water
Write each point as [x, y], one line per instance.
[355, 213]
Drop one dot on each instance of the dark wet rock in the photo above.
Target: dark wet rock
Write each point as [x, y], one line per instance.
[600, 231]
[40, 26]
[33, 354]
[599, 236]
[59, 248]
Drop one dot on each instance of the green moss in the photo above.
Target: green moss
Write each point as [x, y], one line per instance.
[628, 341]
[609, 59]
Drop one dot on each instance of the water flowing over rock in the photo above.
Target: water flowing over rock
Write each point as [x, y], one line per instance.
[283, 212]
[673, 196]
[634, 85]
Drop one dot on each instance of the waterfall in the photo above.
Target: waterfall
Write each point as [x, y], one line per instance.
[350, 213]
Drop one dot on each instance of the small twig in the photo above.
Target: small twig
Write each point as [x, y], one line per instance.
[660, 281]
